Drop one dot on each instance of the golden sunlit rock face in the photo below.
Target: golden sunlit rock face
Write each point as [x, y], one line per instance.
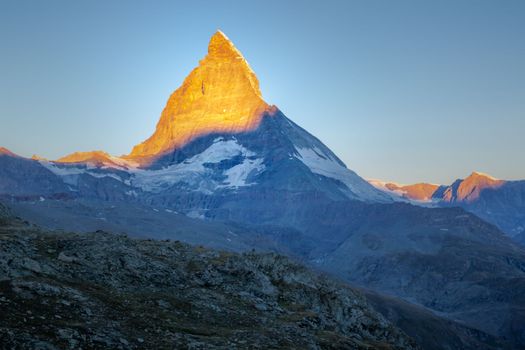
[419, 192]
[81, 157]
[471, 187]
[96, 158]
[221, 95]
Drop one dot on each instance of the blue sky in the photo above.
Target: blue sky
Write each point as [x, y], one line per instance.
[401, 90]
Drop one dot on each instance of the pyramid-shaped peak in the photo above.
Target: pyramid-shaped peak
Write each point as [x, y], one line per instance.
[221, 95]
[220, 46]
[219, 36]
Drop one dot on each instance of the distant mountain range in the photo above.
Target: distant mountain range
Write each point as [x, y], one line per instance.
[500, 202]
[227, 170]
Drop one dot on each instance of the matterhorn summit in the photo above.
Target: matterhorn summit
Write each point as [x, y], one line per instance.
[221, 95]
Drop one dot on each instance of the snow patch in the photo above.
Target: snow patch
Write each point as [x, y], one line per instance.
[73, 171]
[322, 164]
[197, 176]
[131, 193]
[382, 185]
[237, 175]
[196, 214]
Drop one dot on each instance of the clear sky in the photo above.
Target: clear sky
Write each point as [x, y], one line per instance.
[401, 90]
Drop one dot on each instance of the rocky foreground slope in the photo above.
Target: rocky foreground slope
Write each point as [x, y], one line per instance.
[65, 290]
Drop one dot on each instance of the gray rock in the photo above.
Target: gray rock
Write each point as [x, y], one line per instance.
[261, 307]
[31, 265]
[65, 258]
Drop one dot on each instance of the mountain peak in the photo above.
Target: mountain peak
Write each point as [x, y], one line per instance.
[221, 95]
[96, 158]
[221, 46]
[79, 157]
[470, 188]
[420, 191]
[477, 174]
[7, 152]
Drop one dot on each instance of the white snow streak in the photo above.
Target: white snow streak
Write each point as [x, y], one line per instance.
[322, 164]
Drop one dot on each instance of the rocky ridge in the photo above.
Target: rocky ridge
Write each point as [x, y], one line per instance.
[99, 290]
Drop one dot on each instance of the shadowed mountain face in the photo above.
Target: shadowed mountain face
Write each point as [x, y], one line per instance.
[446, 260]
[225, 170]
[23, 177]
[429, 330]
[504, 206]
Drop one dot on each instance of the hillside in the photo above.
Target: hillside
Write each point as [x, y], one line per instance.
[98, 290]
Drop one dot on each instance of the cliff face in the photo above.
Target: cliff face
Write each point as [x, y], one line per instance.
[221, 95]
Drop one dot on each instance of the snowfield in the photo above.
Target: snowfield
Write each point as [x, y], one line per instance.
[197, 176]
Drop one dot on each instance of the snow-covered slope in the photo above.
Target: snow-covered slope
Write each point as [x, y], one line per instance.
[323, 164]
